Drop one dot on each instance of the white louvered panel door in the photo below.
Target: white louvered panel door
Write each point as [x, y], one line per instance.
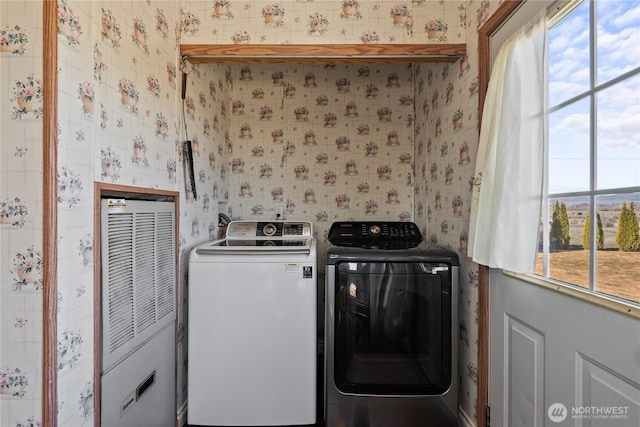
[138, 275]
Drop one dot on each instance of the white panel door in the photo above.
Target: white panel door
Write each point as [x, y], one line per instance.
[558, 360]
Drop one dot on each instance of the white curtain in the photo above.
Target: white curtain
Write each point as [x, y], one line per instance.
[507, 193]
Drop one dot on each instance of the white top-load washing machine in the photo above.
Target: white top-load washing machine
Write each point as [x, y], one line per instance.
[253, 326]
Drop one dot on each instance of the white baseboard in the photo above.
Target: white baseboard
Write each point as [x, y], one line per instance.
[182, 415]
[464, 420]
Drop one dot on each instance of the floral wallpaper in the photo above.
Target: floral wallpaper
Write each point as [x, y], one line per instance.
[21, 257]
[322, 143]
[322, 21]
[446, 143]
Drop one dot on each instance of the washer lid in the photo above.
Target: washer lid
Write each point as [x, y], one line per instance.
[256, 247]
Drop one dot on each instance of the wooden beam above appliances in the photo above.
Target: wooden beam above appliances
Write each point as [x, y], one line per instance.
[322, 53]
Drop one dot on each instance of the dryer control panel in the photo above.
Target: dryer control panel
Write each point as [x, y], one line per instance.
[383, 235]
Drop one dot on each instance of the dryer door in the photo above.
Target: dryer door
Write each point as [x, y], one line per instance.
[393, 328]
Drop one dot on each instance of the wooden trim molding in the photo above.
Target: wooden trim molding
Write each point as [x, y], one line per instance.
[504, 11]
[101, 190]
[483, 346]
[50, 212]
[493, 24]
[322, 53]
[97, 307]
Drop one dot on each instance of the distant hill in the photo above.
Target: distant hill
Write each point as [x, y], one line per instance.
[611, 202]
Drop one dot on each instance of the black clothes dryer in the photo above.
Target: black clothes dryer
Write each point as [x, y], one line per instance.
[391, 328]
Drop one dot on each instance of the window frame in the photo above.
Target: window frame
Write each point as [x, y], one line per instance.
[556, 13]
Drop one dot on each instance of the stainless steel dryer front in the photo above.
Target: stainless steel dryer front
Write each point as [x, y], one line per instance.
[391, 329]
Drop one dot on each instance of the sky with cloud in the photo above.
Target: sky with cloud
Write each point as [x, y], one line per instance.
[617, 50]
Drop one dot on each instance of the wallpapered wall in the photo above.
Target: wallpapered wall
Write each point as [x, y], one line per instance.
[120, 122]
[446, 144]
[322, 142]
[20, 213]
[323, 21]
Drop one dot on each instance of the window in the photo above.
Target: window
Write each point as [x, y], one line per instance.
[592, 193]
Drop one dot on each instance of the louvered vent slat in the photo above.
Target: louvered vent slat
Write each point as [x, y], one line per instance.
[139, 279]
[144, 271]
[166, 266]
[120, 290]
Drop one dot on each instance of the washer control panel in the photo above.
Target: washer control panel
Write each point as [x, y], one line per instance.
[278, 229]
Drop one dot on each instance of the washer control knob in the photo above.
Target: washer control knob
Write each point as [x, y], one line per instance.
[269, 229]
[375, 230]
